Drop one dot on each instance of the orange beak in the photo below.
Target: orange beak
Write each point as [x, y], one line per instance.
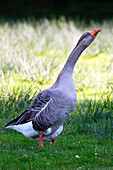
[95, 32]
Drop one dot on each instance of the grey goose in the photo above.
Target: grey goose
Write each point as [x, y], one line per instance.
[45, 118]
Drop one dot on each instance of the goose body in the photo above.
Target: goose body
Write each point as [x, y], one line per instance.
[45, 118]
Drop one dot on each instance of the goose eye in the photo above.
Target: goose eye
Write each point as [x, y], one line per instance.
[86, 35]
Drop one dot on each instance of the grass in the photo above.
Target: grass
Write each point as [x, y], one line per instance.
[21, 153]
[32, 55]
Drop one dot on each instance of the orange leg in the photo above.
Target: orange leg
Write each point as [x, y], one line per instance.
[41, 139]
[53, 142]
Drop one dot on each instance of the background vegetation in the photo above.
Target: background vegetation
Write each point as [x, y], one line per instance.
[87, 10]
[32, 53]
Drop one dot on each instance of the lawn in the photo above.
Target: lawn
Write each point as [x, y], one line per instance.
[32, 53]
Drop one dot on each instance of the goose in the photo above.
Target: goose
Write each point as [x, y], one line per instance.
[44, 119]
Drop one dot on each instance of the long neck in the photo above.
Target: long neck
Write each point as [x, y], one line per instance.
[71, 61]
[67, 71]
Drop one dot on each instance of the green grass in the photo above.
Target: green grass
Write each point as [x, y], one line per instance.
[21, 153]
[32, 53]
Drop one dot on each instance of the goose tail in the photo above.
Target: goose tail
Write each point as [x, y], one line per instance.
[16, 127]
[26, 129]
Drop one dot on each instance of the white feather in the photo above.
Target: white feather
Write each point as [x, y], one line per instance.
[26, 129]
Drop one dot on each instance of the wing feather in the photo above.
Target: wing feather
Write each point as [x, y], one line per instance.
[48, 116]
[36, 106]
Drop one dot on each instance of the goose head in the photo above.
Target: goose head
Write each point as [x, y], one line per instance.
[87, 38]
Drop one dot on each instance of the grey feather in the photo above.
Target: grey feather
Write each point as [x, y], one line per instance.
[38, 103]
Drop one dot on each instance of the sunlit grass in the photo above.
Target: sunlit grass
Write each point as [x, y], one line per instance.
[36, 50]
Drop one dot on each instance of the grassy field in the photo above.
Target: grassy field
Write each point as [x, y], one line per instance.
[32, 53]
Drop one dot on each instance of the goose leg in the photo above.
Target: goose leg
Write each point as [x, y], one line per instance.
[53, 142]
[41, 139]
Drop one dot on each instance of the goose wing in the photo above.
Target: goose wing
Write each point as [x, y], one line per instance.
[37, 105]
[50, 114]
